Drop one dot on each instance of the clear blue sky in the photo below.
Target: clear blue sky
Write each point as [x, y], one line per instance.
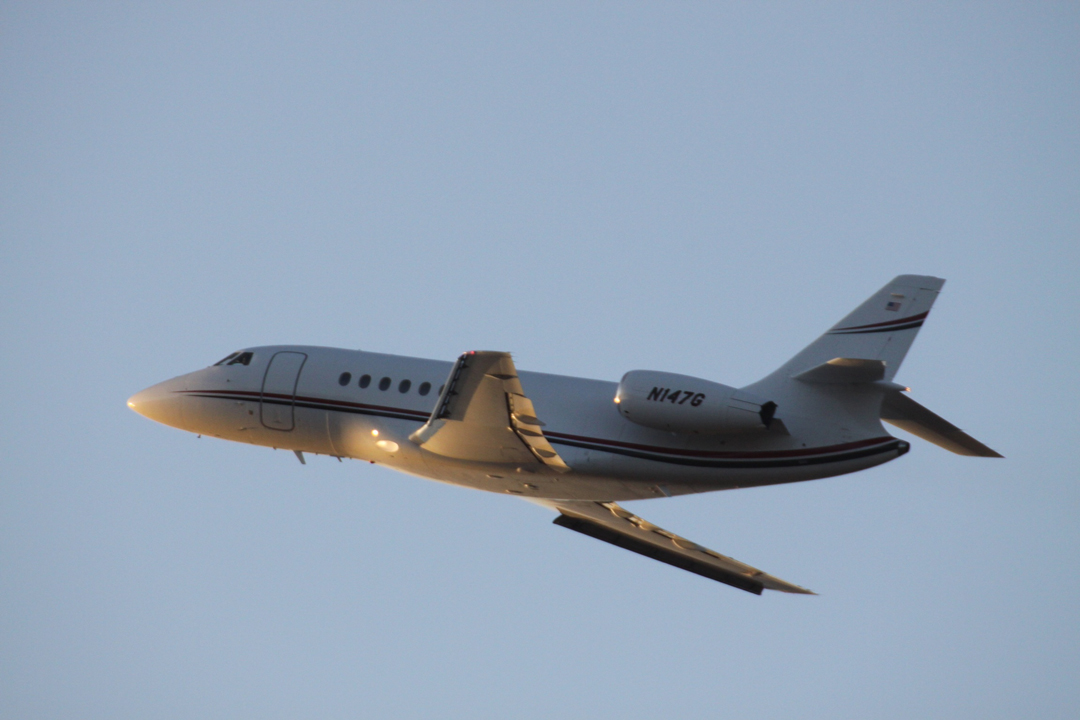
[699, 188]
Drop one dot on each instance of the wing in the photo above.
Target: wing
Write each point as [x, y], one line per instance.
[484, 416]
[608, 522]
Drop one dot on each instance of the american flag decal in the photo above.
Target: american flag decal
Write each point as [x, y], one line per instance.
[893, 306]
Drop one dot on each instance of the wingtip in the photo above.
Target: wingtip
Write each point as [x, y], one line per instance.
[783, 586]
[986, 452]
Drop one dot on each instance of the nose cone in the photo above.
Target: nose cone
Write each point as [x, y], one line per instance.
[163, 403]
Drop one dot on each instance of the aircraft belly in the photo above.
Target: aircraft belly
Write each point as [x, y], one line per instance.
[679, 474]
[310, 434]
[506, 479]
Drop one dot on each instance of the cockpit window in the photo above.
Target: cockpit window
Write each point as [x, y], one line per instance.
[236, 358]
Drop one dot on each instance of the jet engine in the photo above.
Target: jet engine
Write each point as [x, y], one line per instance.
[680, 403]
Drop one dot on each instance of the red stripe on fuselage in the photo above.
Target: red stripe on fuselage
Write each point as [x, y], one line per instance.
[761, 454]
[420, 414]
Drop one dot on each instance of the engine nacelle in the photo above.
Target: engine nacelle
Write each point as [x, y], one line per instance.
[680, 403]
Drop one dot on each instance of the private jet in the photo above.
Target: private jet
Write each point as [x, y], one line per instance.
[578, 446]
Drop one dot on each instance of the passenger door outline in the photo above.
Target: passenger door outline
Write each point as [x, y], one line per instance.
[277, 399]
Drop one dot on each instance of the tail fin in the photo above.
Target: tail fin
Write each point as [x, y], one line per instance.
[881, 329]
[850, 368]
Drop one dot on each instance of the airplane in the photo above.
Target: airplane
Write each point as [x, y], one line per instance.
[578, 446]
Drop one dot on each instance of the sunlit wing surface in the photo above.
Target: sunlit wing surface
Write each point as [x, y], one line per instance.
[613, 524]
[483, 415]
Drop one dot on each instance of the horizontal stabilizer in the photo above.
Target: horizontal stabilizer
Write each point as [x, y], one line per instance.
[903, 412]
[613, 524]
[844, 370]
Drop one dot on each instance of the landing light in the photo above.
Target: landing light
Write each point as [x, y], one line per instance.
[374, 433]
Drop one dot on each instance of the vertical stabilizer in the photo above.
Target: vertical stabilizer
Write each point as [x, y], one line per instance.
[882, 328]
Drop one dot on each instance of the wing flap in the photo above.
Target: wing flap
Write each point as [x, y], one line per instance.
[613, 524]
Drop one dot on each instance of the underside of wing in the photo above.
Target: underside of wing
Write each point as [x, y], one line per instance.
[483, 415]
[613, 524]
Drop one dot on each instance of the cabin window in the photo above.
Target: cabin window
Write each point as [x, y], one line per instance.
[425, 388]
[344, 379]
[384, 383]
[365, 380]
[404, 386]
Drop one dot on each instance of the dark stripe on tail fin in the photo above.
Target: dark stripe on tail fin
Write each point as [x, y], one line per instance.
[882, 329]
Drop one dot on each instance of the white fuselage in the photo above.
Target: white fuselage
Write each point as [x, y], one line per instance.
[314, 403]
